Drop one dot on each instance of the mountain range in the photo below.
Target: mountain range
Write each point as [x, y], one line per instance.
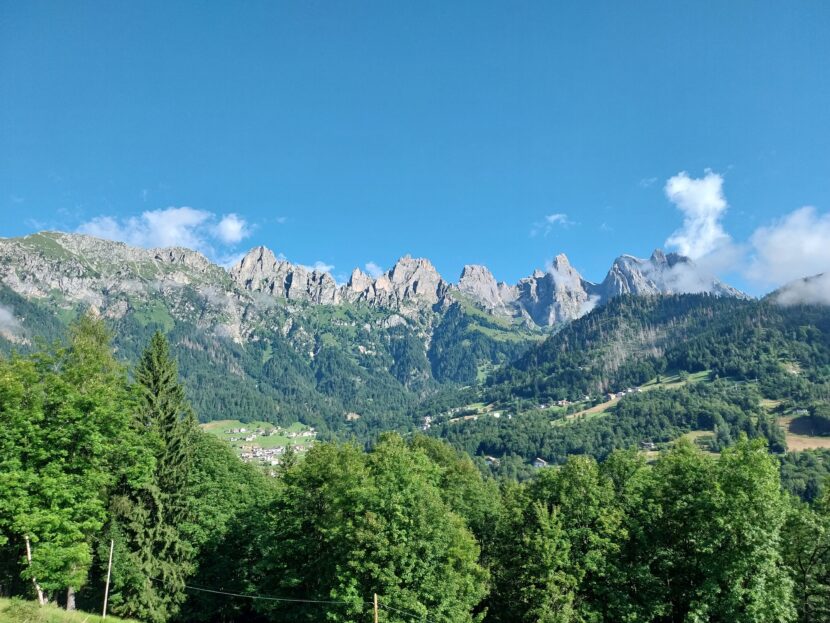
[105, 275]
[272, 340]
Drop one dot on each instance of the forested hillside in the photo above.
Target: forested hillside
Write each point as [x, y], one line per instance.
[723, 367]
[313, 364]
[92, 452]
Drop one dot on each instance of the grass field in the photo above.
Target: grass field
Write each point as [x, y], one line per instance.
[219, 427]
[20, 611]
[799, 437]
[671, 381]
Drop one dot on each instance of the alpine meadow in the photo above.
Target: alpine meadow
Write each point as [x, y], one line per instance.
[256, 364]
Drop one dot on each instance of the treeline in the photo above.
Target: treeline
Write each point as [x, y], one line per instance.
[90, 454]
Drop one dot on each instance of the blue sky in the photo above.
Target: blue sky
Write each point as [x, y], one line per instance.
[499, 133]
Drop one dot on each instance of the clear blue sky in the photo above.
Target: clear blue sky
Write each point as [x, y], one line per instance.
[349, 132]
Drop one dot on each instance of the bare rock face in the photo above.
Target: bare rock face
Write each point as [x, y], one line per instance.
[359, 281]
[410, 282]
[261, 271]
[416, 279]
[660, 274]
[478, 283]
[558, 295]
[114, 278]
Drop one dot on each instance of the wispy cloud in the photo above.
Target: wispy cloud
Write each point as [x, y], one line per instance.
[788, 249]
[374, 270]
[647, 182]
[812, 291]
[702, 202]
[795, 246]
[8, 322]
[319, 266]
[174, 227]
[546, 225]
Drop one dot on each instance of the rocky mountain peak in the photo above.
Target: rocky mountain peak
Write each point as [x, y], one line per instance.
[557, 295]
[477, 282]
[359, 281]
[662, 273]
[261, 271]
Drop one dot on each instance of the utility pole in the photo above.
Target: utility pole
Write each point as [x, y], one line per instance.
[40, 598]
[109, 573]
[376, 608]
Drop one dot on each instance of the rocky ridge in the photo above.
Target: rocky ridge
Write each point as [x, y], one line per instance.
[109, 275]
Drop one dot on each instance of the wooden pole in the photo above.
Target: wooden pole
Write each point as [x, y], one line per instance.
[39, 590]
[107, 588]
[376, 608]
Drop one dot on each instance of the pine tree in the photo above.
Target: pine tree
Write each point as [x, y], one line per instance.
[152, 510]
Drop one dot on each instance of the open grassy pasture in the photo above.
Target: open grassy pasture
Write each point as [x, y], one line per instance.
[20, 611]
[219, 427]
[800, 434]
[671, 381]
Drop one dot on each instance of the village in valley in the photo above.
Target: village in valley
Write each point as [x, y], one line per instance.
[262, 442]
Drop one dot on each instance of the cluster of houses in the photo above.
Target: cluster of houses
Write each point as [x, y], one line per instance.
[269, 456]
[251, 435]
[612, 395]
[253, 452]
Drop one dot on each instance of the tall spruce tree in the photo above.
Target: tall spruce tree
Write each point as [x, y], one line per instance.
[152, 509]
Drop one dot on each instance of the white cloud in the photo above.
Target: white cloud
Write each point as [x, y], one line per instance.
[320, 267]
[647, 182]
[8, 322]
[796, 246]
[374, 270]
[232, 229]
[703, 205]
[228, 260]
[550, 221]
[173, 227]
[588, 306]
[812, 291]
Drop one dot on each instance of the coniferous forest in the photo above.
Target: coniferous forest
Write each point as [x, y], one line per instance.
[93, 452]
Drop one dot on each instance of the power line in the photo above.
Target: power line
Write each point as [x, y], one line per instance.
[265, 597]
[383, 606]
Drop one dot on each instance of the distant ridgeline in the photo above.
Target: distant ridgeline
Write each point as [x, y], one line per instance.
[520, 371]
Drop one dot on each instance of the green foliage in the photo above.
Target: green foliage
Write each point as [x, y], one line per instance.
[348, 524]
[462, 341]
[60, 417]
[656, 416]
[20, 611]
[154, 502]
[805, 474]
[806, 552]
